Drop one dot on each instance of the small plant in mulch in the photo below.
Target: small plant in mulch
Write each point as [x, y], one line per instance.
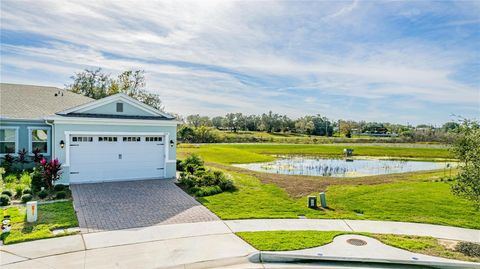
[4, 200]
[8, 193]
[26, 198]
[61, 195]
[42, 194]
[469, 249]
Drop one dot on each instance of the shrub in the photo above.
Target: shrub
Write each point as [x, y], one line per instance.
[59, 187]
[27, 191]
[51, 171]
[469, 249]
[4, 200]
[60, 195]
[43, 194]
[26, 179]
[206, 191]
[18, 190]
[26, 198]
[193, 161]
[180, 166]
[7, 192]
[37, 180]
[7, 163]
[12, 178]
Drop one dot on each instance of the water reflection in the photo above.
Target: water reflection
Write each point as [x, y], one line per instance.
[340, 167]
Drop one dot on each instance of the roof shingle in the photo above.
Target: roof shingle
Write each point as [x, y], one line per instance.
[19, 101]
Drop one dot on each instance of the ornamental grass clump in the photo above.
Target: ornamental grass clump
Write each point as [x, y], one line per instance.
[201, 181]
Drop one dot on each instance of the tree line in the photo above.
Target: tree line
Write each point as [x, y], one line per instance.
[196, 128]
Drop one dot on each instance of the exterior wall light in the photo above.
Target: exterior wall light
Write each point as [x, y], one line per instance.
[62, 144]
[172, 143]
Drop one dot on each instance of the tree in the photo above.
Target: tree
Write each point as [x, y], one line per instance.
[450, 126]
[467, 150]
[96, 84]
[91, 83]
[217, 122]
[194, 120]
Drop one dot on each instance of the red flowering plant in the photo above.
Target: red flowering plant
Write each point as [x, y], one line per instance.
[51, 171]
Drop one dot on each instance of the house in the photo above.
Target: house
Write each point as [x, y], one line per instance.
[110, 139]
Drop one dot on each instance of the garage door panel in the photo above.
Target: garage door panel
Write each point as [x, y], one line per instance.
[93, 159]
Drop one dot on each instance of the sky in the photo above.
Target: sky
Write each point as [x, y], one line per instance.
[388, 61]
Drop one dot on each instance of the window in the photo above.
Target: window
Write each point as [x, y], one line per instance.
[131, 139]
[82, 139]
[153, 139]
[107, 139]
[8, 140]
[38, 138]
[119, 107]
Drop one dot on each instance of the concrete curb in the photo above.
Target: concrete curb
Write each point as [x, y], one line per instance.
[218, 263]
[271, 257]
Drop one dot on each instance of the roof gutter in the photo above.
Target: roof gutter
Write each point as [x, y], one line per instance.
[53, 137]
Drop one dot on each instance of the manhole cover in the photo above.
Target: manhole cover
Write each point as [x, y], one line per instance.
[356, 242]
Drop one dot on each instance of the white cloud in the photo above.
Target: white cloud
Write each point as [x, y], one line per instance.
[225, 56]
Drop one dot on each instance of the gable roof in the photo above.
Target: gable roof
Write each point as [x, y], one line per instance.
[18, 101]
[82, 110]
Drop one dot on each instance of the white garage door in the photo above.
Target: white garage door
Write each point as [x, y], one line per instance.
[97, 158]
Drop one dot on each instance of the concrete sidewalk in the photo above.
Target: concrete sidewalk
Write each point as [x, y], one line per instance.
[381, 227]
[203, 244]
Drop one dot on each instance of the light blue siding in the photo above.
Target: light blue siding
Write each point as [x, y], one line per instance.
[23, 131]
[59, 135]
[111, 109]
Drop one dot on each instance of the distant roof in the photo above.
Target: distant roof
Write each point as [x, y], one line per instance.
[19, 101]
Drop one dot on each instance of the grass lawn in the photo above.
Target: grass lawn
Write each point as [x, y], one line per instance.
[50, 217]
[293, 240]
[417, 200]
[248, 153]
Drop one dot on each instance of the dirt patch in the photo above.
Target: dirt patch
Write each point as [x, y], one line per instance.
[448, 244]
[300, 186]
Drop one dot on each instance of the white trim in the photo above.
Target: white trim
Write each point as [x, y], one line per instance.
[115, 98]
[114, 180]
[48, 129]
[108, 121]
[17, 139]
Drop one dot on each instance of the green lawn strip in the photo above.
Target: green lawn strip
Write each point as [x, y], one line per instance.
[50, 217]
[422, 202]
[413, 199]
[252, 199]
[295, 240]
[288, 240]
[248, 153]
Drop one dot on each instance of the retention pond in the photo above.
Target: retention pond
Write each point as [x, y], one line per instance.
[311, 166]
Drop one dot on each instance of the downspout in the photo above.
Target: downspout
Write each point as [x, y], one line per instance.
[52, 144]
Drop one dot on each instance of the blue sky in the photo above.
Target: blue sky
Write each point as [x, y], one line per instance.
[396, 61]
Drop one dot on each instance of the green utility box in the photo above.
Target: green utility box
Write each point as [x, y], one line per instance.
[323, 200]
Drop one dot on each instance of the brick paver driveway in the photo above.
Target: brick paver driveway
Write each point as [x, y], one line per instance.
[130, 204]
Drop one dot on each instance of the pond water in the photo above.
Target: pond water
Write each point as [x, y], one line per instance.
[311, 166]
